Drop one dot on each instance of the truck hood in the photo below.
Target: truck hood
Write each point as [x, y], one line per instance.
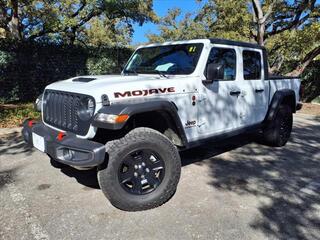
[118, 87]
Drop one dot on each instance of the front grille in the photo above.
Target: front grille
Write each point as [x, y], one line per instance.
[60, 110]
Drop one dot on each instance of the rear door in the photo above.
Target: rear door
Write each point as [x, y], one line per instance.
[253, 101]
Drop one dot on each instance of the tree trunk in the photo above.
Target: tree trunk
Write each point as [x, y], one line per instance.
[260, 19]
[14, 27]
[305, 62]
[261, 30]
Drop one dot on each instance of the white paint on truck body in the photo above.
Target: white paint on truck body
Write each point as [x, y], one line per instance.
[215, 111]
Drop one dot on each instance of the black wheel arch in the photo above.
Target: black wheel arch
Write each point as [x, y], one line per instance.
[285, 96]
[167, 110]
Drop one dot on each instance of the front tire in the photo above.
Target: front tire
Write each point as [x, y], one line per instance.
[143, 170]
[278, 132]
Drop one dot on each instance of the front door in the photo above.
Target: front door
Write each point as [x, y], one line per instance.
[218, 103]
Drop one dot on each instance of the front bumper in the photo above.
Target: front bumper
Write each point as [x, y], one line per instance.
[66, 148]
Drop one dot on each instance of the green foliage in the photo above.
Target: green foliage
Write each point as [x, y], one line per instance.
[311, 81]
[221, 19]
[101, 65]
[226, 19]
[37, 65]
[171, 29]
[102, 32]
[292, 45]
[14, 115]
[316, 100]
[73, 21]
[5, 58]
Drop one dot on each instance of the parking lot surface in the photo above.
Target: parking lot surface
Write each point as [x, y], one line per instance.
[235, 189]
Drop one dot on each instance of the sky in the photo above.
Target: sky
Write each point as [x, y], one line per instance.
[161, 8]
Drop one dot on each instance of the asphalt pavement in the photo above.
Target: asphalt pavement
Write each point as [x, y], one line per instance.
[235, 189]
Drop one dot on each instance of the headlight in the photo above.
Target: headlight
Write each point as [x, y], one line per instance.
[111, 118]
[38, 103]
[86, 108]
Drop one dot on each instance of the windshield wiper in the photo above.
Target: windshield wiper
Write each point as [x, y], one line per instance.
[161, 73]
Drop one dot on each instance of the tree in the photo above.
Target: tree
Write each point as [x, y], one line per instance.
[68, 20]
[266, 22]
[290, 30]
[272, 18]
[172, 29]
[105, 31]
[221, 18]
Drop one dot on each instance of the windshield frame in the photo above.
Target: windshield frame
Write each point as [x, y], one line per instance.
[201, 44]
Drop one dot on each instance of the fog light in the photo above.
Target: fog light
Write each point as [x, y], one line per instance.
[68, 154]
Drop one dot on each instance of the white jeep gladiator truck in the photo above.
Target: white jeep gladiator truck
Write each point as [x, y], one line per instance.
[169, 97]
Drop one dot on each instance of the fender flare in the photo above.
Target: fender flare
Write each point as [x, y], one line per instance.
[277, 99]
[132, 109]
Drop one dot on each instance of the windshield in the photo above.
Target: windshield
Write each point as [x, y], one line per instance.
[171, 59]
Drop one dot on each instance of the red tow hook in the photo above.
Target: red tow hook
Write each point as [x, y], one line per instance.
[31, 123]
[60, 136]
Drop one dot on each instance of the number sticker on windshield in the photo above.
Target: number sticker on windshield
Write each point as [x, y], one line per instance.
[192, 49]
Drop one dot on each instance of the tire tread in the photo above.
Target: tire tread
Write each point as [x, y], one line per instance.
[115, 147]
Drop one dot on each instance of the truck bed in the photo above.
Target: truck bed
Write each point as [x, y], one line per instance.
[278, 83]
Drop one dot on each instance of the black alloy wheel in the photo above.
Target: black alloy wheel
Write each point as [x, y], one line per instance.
[277, 132]
[141, 171]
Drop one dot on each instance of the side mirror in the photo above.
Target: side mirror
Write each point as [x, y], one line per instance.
[215, 71]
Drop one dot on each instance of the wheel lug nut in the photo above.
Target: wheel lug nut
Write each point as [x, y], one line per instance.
[135, 174]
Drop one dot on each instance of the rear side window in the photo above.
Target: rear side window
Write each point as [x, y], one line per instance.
[227, 58]
[251, 65]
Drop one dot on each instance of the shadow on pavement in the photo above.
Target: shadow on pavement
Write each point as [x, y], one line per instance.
[7, 176]
[87, 178]
[212, 149]
[287, 178]
[286, 181]
[13, 144]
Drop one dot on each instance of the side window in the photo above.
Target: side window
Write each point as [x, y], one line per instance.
[251, 65]
[227, 58]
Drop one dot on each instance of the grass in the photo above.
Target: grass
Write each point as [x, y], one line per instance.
[13, 115]
[316, 100]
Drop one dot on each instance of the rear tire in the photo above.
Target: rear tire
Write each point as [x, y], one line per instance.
[142, 172]
[278, 132]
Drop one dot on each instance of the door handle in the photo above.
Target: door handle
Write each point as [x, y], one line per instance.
[235, 92]
[259, 90]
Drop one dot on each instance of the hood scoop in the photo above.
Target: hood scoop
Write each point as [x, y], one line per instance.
[83, 79]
